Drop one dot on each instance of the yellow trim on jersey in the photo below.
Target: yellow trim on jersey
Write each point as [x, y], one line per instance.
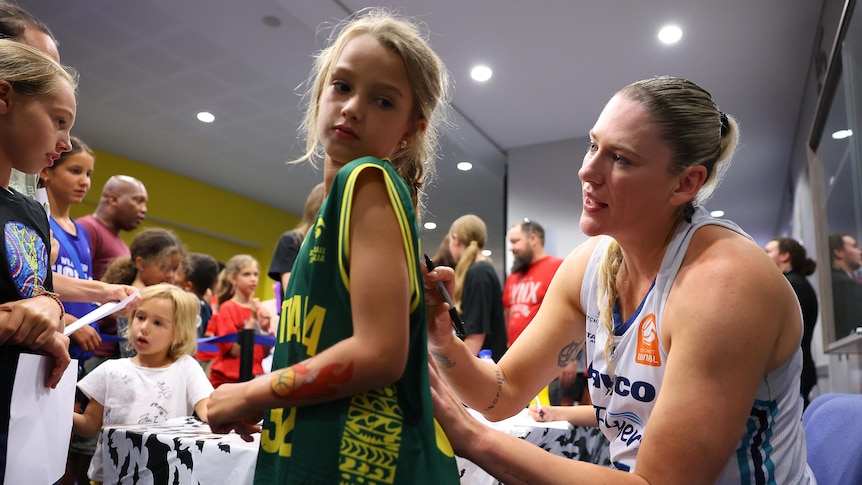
[403, 223]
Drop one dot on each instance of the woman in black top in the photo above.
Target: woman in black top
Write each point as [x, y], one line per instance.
[478, 293]
[792, 259]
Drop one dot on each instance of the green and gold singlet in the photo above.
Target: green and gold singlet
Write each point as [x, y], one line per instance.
[386, 435]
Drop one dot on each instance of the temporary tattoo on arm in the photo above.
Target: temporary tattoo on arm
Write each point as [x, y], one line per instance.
[568, 354]
[443, 361]
[499, 389]
[299, 381]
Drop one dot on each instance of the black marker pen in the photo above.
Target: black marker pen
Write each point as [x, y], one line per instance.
[457, 323]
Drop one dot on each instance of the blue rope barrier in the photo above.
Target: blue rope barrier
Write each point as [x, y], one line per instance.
[207, 344]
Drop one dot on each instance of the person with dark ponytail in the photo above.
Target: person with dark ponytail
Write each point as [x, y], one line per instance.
[155, 258]
[691, 333]
[793, 261]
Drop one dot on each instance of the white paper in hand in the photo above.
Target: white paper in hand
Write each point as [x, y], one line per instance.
[101, 312]
[40, 421]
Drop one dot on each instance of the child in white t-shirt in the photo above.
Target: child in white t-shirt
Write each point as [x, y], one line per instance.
[162, 381]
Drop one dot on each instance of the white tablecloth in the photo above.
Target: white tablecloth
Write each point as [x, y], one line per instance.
[181, 451]
[185, 451]
[559, 438]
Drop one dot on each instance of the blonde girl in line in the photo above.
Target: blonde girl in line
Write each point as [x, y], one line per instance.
[162, 380]
[348, 401]
[238, 309]
[155, 257]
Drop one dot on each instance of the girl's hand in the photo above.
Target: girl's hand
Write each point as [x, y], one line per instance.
[264, 318]
[547, 413]
[113, 292]
[30, 322]
[461, 429]
[226, 411]
[439, 322]
[254, 305]
[58, 347]
[87, 338]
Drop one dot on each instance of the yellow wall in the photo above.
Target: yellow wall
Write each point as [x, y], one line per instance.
[206, 219]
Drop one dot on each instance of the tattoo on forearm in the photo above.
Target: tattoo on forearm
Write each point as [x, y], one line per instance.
[284, 382]
[443, 361]
[499, 389]
[568, 354]
[299, 381]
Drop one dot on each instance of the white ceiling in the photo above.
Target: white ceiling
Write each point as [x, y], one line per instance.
[147, 67]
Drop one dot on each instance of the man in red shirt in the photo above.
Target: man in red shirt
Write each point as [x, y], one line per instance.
[531, 274]
[525, 289]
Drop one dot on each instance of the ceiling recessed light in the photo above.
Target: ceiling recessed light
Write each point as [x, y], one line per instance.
[842, 134]
[486, 252]
[481, 73]
[464, 166]
[271, 21]
[430, 225]
[717, 213]
[670, 34]
[206, 117]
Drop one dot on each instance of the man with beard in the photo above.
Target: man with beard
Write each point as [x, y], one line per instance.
[846, 291]
[531, 274]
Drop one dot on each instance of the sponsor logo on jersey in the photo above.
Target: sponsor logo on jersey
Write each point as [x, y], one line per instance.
[648, 352]
[317, 253]
[621, 385]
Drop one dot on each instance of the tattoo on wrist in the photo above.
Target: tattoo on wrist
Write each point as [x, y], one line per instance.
[443, 361]
[568, 354]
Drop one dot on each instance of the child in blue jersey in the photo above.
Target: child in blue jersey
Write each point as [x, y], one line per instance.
[349, 401]
[66, 183]
[691, 332]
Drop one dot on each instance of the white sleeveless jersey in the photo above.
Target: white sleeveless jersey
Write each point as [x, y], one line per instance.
[771, 446]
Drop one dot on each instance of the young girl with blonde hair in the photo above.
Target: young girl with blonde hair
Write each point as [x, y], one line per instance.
[37, 110]
[238, 309]
[155, 257]
[162, 380]
[348, 401]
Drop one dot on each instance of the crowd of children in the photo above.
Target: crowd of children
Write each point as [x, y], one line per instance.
[351, 378]
[365, 361]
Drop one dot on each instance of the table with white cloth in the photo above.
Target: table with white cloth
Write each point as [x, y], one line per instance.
[560, 438]
[179, 451]
[185, 451]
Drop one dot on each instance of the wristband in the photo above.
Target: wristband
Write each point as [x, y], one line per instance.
[53, 296]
